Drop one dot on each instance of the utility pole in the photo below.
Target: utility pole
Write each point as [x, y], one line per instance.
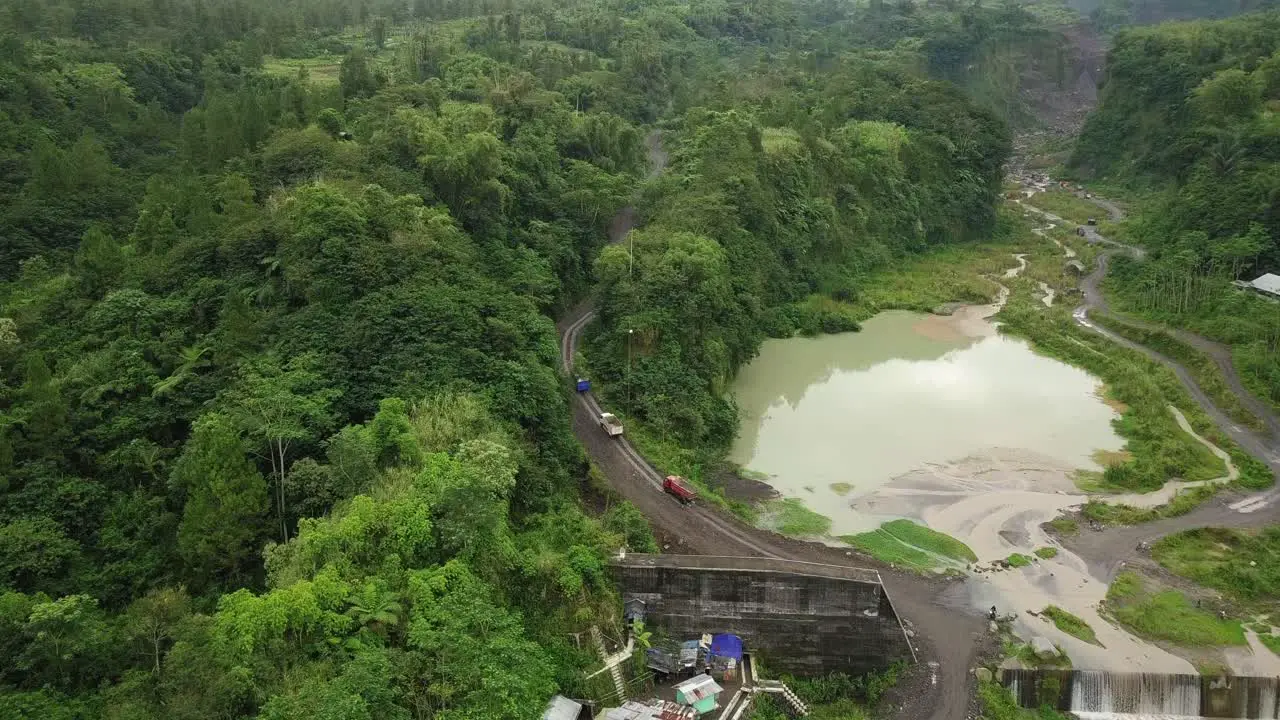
[630, 332]
[631, 251]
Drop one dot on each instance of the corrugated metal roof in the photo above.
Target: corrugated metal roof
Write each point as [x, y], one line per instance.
[698, 687]
[562, 708]
[653, 710]
[1269, 283]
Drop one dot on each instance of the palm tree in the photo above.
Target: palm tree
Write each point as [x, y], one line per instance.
[376, 608]
[192, 358]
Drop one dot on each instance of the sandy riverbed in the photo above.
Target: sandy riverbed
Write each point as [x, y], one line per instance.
[996, 501]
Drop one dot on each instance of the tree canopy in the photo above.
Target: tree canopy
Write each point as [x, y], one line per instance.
[282, 432]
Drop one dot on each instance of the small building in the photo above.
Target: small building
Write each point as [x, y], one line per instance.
[651, 710]
[700, 692]
[633, 610]
[562, 708]
[1268, 284]
[672, 658]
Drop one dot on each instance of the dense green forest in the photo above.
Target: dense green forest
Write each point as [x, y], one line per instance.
[281, 432]
[1109, 15]
[1188, 117]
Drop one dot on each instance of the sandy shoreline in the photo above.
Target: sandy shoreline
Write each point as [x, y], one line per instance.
[996, 502]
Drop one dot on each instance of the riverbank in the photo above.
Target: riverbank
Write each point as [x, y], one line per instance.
[1001, 501]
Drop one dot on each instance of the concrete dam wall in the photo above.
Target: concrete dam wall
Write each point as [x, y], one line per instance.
[1145, 695]
[798, 617]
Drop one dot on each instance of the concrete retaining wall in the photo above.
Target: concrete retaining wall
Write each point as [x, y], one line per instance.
[802, 618]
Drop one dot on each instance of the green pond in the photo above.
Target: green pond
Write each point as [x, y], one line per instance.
[856, 410]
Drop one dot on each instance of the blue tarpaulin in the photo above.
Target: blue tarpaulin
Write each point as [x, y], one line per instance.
[729, 646]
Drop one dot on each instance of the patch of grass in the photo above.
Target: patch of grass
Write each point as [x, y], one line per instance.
[841, 488]
[1107, 458]
[929, 540]
[1018, 560]
[913, 546]
[1066, 205]
[1071, 624]
[1167, 615]
[1065, 525]
[1242, 565]
[1119, 514]
[998, 704]
[1047, 552]
[920, 283]
[886, 548]
[789, 516]
[320, 70]
[1027, 656]
[1271, 641]
[1212, 668]
[924, 282]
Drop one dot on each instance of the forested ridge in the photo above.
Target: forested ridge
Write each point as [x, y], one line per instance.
[281, 432]
[1187, 119]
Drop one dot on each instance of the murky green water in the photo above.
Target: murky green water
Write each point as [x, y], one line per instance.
[909, 390]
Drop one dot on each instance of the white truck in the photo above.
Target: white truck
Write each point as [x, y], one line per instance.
[610, 424]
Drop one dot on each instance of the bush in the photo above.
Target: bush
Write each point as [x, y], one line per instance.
[1018, 560]
[1071, 625]
[627, 520]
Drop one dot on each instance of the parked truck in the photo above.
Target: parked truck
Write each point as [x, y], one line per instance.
[611, 425]
[680, 488]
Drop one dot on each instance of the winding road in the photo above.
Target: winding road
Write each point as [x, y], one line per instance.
[948, 635]
[1109, 550]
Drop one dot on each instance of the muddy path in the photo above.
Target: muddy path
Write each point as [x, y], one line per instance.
[948, 636]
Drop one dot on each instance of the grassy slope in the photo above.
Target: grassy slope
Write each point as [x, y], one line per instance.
[1167, 615]
[916, 547]
[789, 516]
[1206, 372]
[1244, 566]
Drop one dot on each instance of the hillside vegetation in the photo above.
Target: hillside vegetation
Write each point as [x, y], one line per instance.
[281, 431]
[1188, 117]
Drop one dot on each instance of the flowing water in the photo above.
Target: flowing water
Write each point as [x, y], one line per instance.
[1092, 695]
[834, 418]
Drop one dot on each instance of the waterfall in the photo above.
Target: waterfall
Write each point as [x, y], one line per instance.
[1097, 695]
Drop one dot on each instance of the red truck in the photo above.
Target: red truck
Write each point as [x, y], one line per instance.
[680, 488]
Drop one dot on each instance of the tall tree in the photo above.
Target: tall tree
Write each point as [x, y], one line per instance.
[226, 507]
[280, 405]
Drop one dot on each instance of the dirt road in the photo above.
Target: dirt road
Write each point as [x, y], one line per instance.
[1107, 551]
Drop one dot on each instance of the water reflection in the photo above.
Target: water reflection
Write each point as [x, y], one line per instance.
[910, 389]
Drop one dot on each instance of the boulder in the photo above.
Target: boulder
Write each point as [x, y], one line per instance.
[983, 674]
[1043, 648]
